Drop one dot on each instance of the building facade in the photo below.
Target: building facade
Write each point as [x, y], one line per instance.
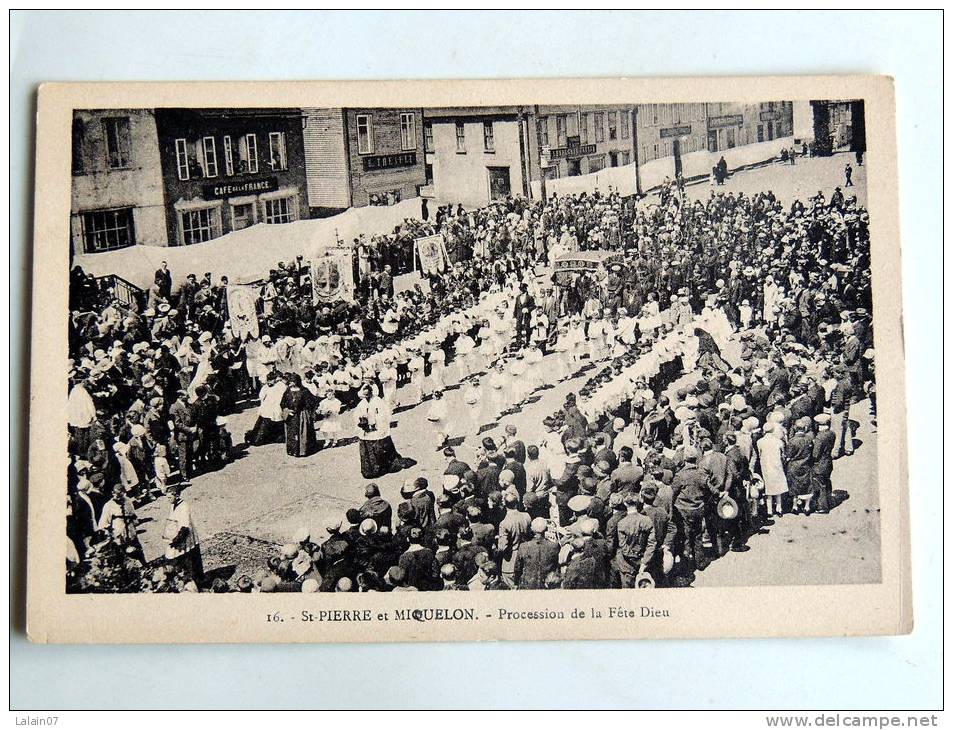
[117, 193]
[675, 133]
[475, 155]
[227, 169]
[733, 125]
[579, 140]
[359, 157]
[839, 125]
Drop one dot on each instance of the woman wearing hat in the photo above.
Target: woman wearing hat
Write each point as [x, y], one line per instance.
[771, 456]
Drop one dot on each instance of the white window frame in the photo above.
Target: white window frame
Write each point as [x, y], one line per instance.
[428, 137]
[254, 213]
[251, 155]
[108, 218]
[214, 223]
[292, 210]
[210, 165]
[460, 130]
[229, 159]
[182, 158]
[283, 158]
[624, 124]
[364, 120]
[408, 131]
[542, 131]
[598, 126]
[489, 140]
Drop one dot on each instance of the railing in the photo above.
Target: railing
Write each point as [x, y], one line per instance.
[127, 294]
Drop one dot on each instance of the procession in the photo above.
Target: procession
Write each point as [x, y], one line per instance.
[721, 351]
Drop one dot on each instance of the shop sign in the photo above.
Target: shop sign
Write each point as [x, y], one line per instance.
[245, 187]
[682, 131]
[387, 162]
[729, 120]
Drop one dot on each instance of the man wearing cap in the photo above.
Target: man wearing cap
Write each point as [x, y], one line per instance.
[691, 495]
[636, 541]
[514, 530]
[823, 464]
[800, 464]
[665, 531]
[536, 558]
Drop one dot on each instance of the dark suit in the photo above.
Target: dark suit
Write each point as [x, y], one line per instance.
[823, 467]
[420, 566]
[534, 561]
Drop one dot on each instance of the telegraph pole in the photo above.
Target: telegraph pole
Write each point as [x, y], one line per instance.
[635, 149]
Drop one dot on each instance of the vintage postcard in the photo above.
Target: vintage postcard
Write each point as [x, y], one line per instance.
[467, 360]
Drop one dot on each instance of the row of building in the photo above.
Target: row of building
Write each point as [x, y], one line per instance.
[183, 176]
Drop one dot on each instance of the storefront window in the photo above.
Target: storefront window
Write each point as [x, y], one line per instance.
[106, 230]
[199, 225]
[280, 210]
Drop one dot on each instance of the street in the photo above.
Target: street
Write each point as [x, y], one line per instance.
[266, 494]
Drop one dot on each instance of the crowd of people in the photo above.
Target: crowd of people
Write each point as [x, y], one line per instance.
[727, 356]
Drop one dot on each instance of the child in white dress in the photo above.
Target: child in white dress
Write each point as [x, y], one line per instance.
[534, 369]
[332, 425]
[518, 380]
[471, 417]
[437, 417]
[160, 465]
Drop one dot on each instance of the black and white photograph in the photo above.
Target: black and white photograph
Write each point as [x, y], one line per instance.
[528, 347]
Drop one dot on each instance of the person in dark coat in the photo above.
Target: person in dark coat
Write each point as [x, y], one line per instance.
[536, 559]
[823, 462]
[800, 458]
[736, 484]
[298, 404]
[422, 501]
[587, 567]
[419, 564]
[376, 507]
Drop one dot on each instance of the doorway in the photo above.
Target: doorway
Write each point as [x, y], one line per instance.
[677, 154]
[499, 182]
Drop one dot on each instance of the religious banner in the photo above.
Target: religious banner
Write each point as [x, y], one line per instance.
[407, 282]
[242, 310]
[432, 254]
[332, 278]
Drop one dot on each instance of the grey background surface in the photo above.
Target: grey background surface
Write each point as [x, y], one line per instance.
[883, 673]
